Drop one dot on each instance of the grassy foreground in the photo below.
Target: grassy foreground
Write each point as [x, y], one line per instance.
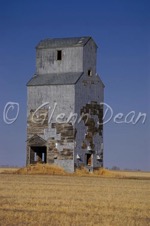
[43, 200]
[47, 169]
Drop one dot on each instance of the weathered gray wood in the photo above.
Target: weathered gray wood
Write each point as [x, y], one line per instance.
[65, 140]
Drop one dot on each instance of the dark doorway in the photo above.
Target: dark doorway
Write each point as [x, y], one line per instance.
[89, 159]
[40, 155]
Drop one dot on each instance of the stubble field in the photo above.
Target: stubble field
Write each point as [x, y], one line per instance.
[38, 200]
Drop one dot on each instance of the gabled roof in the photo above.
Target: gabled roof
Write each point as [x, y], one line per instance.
[63, 42]
[36, 140]
[55, 79]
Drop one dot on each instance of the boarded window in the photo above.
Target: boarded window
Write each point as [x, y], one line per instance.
[59, 55]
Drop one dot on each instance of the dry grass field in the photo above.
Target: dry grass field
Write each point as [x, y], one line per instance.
[10, 170]
[43, 200]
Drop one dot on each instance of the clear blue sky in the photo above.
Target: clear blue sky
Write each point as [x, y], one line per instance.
[121, 30]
